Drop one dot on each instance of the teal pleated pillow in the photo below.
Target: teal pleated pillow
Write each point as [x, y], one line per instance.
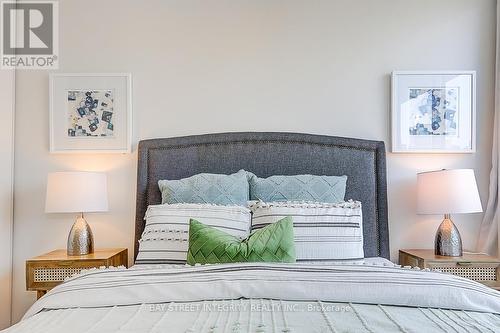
[330, 189]
[207, 188]
[273, 243]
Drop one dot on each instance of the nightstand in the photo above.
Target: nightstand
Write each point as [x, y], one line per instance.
[48, 270]
[478, 267]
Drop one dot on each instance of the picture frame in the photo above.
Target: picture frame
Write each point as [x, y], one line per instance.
[433, 111]
[90, 112]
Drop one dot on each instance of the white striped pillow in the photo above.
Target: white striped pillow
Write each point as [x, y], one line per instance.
[322, 231]
[166, 234]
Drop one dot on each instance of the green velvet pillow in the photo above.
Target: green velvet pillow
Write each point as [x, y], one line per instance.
[273, 243]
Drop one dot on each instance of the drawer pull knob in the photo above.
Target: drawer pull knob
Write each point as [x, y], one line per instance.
[464, 263]
[65, 263]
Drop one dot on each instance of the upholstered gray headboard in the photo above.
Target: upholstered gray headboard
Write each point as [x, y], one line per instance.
[267, 154]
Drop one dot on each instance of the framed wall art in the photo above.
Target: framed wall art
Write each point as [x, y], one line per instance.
[433, 112]
[90, 113]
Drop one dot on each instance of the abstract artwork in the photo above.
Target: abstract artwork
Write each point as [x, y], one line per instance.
[433, 111]
[90, 113]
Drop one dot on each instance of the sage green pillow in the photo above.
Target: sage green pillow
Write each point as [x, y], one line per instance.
[207, 188]
[273, 243]
[297, 188]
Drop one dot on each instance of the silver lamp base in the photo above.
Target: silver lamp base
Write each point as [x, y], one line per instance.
[80, 238]
[448, 241]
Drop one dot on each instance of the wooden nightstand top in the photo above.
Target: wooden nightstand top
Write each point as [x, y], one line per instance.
[61, 254]
[429, 255]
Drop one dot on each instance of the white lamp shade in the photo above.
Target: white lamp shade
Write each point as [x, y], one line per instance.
[448, 192]
[76, 192]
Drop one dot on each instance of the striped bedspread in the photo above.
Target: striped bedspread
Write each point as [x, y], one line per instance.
[265, 298]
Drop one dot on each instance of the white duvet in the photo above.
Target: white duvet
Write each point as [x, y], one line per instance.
[265, 298]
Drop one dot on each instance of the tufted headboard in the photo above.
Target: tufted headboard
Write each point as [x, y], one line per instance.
[267, 154]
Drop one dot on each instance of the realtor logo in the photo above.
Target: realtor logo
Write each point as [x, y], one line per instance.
[29, 34]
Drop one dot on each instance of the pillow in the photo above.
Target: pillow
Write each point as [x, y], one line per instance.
[165, 236]
[298, 188]
[323, 231]
[273, 243]
[207, 188]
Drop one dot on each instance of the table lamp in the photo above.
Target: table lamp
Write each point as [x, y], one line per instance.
[448, 192]
[77, 192]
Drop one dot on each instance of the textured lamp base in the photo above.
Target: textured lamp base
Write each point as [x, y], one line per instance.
[80, 238]
[448, 241]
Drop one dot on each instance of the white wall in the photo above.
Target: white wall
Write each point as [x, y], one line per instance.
[210, 66]
[7, 81]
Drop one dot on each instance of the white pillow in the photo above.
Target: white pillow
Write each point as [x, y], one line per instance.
[322, 231]
[165, 237]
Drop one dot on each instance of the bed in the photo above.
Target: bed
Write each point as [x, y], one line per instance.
[368, 296]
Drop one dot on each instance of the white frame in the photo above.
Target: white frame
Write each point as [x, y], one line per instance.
[395, 109]
[127, 146]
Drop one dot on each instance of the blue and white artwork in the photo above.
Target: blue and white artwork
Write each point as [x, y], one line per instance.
[90, 113]
[434, 111]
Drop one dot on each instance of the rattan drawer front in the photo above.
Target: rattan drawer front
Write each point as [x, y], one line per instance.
[53, 274]
[476, 272]
[41, 275]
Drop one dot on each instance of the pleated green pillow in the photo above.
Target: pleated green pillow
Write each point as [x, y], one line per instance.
[273, 243]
